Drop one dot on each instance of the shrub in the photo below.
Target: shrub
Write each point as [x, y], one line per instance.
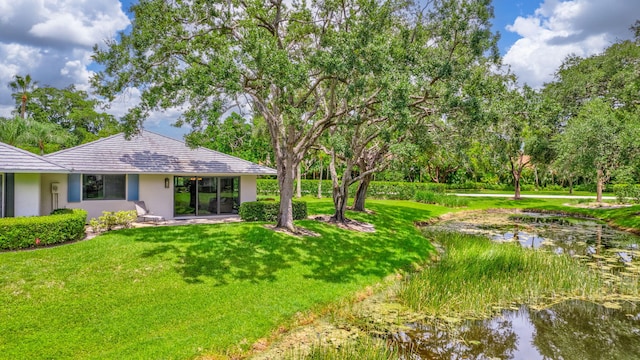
[61, 211]
[627, 193]
[268, 210]
[113, 219]
[553, 187]
[26, 232]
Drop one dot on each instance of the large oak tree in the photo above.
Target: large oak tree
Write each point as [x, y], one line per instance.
[292, 62]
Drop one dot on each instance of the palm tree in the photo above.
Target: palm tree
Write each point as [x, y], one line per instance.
[12, 131]
[40, 134]
[21, 87]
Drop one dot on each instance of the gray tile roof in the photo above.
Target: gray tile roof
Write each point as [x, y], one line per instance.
[151, 153]
[17, 160]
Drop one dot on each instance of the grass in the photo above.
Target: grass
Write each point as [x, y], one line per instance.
[476, 276]
[202, 290]
[180, 292]
[361, 349]
[430, 197]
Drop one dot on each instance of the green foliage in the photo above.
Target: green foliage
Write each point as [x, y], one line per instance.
[626, 193]
[235, 136]
[27, 232]
[430, 197]
[113, 219]
[268, 210]
[476, 276]
[61, 211]
[72, 111]
[377, 189]
[12, 130]
[364, 348]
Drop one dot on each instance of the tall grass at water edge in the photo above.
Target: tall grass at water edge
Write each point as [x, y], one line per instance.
[476, 276]
[430, 197]
[364, 348]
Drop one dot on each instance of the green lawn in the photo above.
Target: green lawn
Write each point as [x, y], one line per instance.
[179, 292]
[176, 292]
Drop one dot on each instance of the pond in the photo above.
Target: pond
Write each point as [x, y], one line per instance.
[613, 251]
[569, 330]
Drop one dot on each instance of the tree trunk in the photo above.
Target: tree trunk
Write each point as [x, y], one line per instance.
[600, 185]
[23, 108]
[340, 189]
[320, 183]
[340, 201]
[516, 172]
[535, 171]
[361, 194]
[570, 185]
[299, 183]
[516, 185]
[286, 177]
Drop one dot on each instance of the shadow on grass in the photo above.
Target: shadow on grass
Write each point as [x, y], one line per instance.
[220, 252]
[225, 253]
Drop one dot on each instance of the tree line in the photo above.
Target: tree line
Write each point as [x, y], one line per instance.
[356, 89]
[48, 119]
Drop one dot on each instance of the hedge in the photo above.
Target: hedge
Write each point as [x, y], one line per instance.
[268, 210]
[406, 190]
[27, 232]
[377, 189]
[626, 193]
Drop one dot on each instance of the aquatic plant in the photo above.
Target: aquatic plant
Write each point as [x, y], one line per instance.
[476, 277]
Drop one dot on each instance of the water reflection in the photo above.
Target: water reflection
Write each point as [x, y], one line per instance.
[611, 250]
[570, 330]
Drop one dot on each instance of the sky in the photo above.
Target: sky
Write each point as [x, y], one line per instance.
[52, 40]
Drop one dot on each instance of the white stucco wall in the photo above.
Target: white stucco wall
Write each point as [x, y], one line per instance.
[49, 201]
[94, 208]
[248, 188]
[27, 195]
[157, 198]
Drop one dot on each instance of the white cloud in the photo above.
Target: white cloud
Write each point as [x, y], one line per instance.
[52, 40]
[560, 28]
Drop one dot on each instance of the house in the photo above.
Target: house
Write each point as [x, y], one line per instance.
[21, 175]
[174, 181]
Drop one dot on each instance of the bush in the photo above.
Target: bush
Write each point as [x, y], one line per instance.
[268, 210]
[61, 211]
[26, 232]
[112, 219]
[626, 193]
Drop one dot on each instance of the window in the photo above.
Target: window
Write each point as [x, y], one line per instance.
[104, 187]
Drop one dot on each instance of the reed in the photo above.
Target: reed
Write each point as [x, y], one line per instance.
[365, 348]
[477, 277]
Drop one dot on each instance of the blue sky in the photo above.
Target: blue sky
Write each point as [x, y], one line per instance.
[52, 40]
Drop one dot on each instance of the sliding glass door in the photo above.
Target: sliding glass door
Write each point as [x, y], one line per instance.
[205, 195]
[229, 199]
